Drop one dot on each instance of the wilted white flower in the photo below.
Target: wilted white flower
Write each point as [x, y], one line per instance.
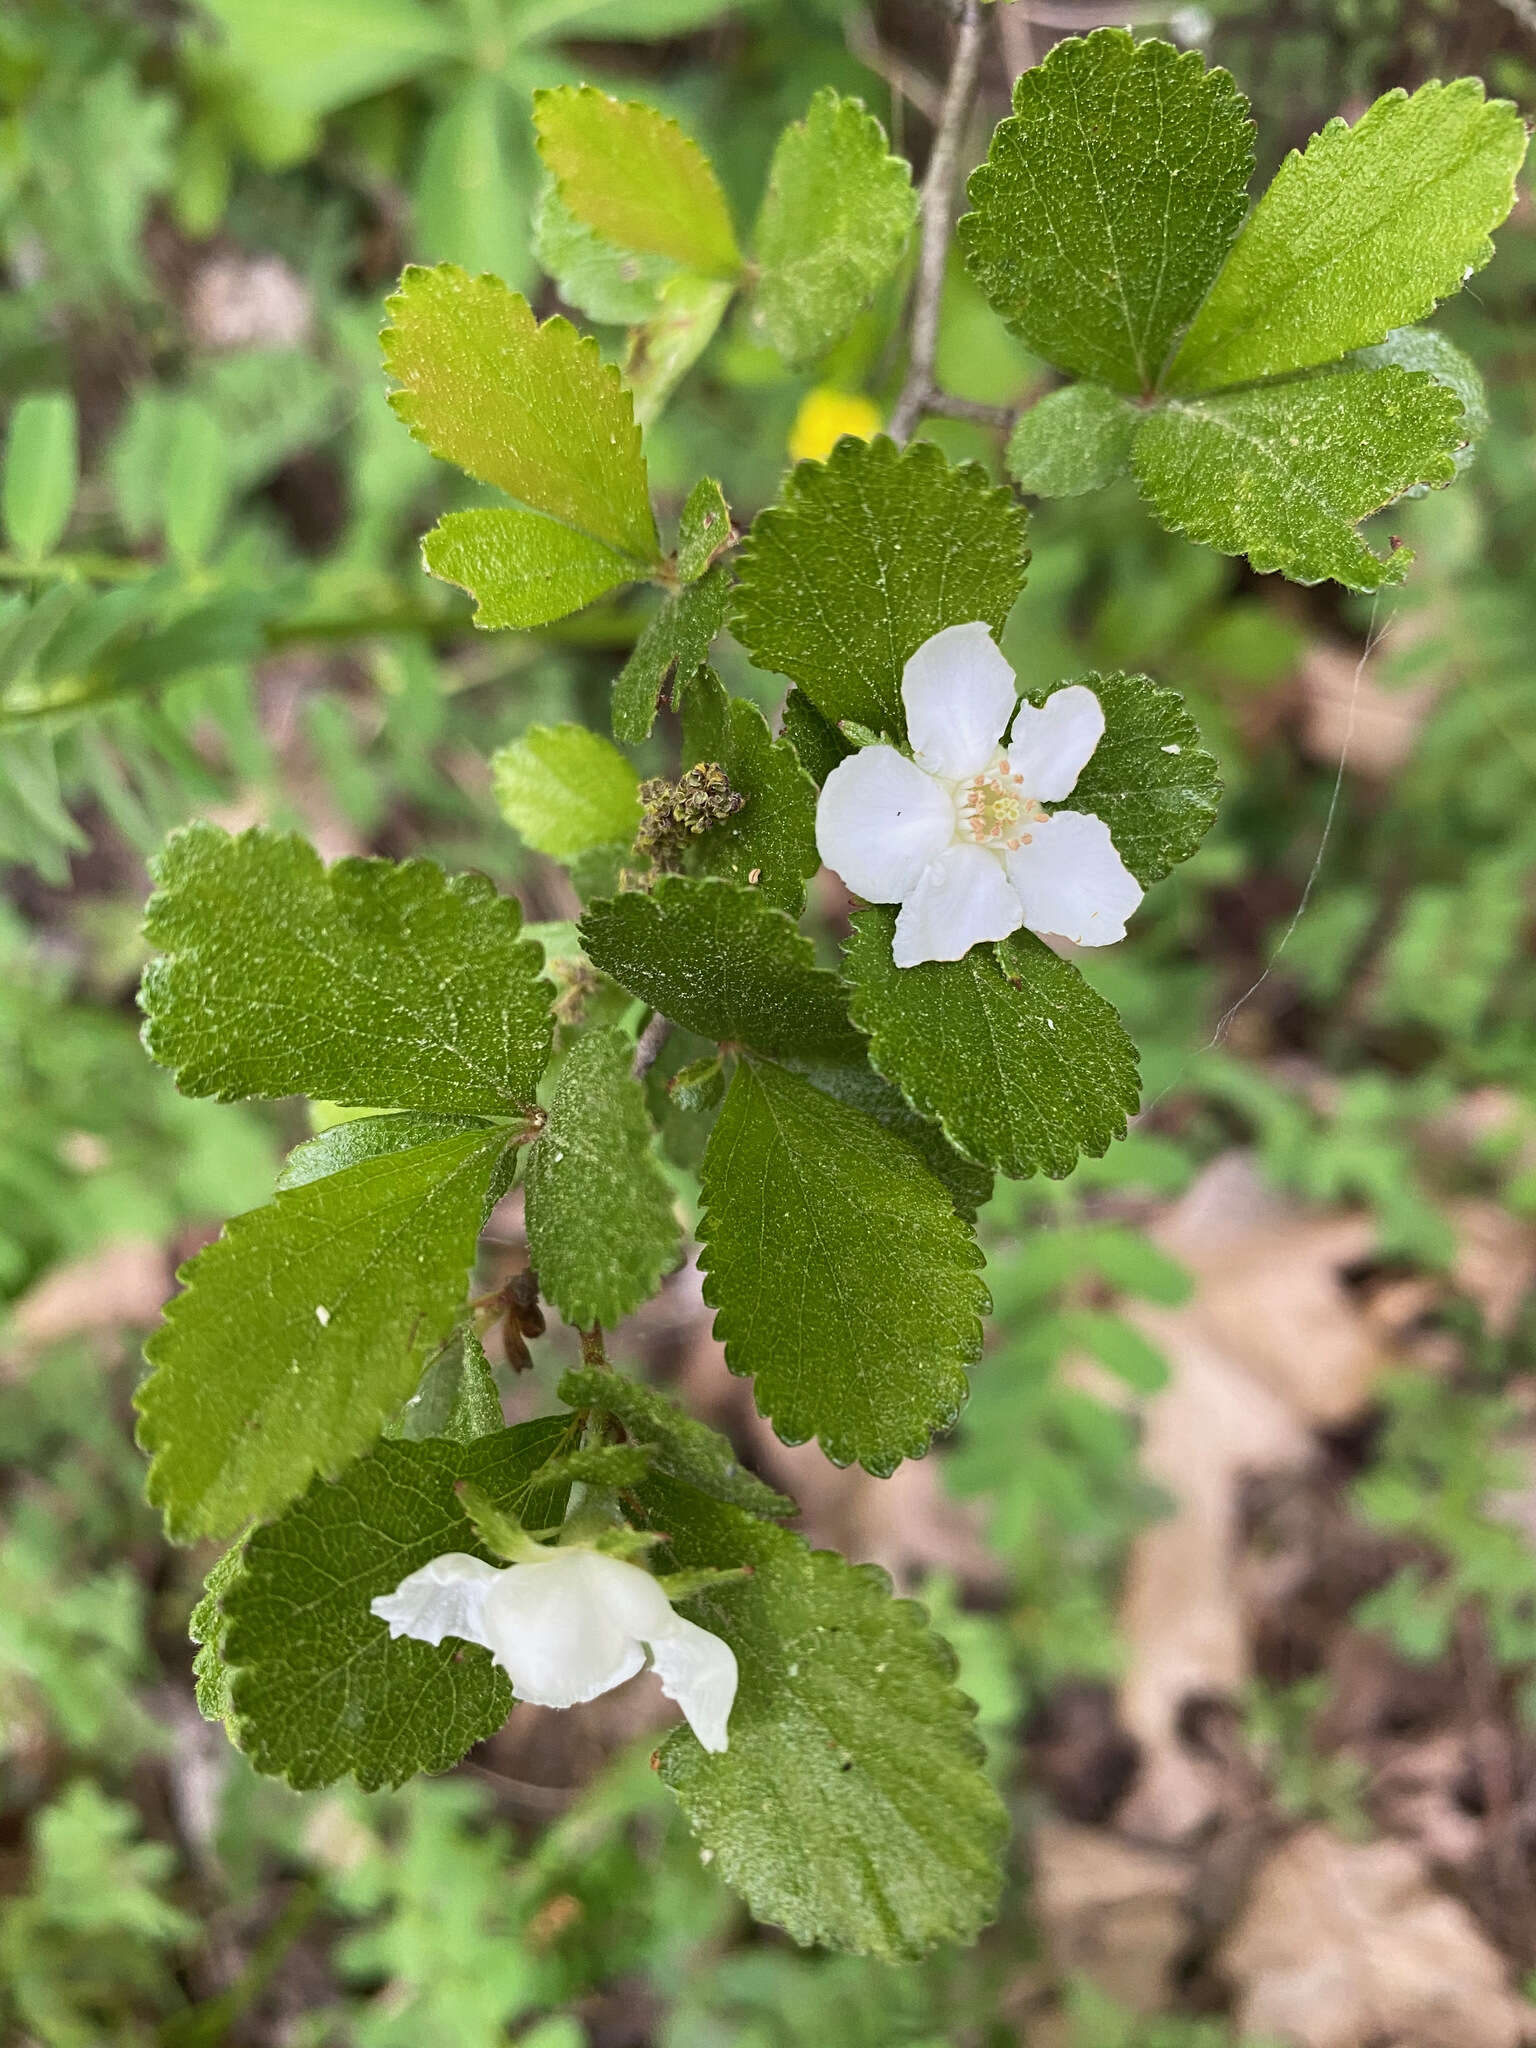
[957, 835]
[567, 1626]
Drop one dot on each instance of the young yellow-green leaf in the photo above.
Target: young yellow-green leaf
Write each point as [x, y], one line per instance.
[722, 962]
[1021, 1062]
[857, 1084]
[534, 410]
[844, 1282]
[703, 530]
[1362, 232]
[1107, 202]
[631, 175]
[662, 351]
[674, 644]
[1284, 473]
[770, 843]
[868, 555]
[521, 568]
[601, 1227]
[457, 1398]
[1150, 778]
[41, 473]
[388, 986]
[685, 1448]
[835, 220]
[318, 1687]
[1074, 440]
[304, 1327]
[852, 1806]
[615, 287]
[565, 789]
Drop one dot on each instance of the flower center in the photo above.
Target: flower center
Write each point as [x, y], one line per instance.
[995, 812]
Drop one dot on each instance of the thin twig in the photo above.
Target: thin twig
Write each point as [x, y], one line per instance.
[948, 407]
[899, 75]
[648, 1045]
[938, 221]
[1015, 32]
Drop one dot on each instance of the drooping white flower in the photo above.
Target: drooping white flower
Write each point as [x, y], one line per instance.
[957, 835]
[569, 1625]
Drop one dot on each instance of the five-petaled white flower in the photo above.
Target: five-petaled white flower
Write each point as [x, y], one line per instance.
[957, 834]
[569, 1625]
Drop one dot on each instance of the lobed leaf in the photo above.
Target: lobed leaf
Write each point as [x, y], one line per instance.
[521, 568]
[1074, 440]
[770, 843]
[672, 648]
[565, 789]
[685, 1448]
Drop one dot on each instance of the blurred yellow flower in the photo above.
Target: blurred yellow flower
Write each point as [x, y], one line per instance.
[824, 417]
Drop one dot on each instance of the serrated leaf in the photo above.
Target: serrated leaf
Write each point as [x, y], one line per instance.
[1074, 440]
[632, 176]
[205, 1627]
[685, 1448]
[835, 219]
[533, 410]
[851, 1807]
[1362, 232]
[521, 568]
[844, 1282]
[357, 1138]
[1021, 1062]
[770, 842]
[722, 962]
[616, 287]
[1427, 349]
[565, 789]
[41, 472]
[662, 351]
[867, 555]
[969, 1185]
[819, 744]
[1150, 778]
[601, 1228]
[674, 644]
[389, 986]
[1284, 473]
[457, 1398]
[304, 1327]
[703, 530]
[319, 1688]
[1107, 202]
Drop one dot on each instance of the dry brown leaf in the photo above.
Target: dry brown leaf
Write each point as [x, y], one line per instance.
[1111, 1910]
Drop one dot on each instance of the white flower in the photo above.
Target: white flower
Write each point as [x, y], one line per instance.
[957, 835]
[568, 1626]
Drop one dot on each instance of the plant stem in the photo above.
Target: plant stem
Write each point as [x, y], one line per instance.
[948, 407]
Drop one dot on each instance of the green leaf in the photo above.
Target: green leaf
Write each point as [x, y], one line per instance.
[205, 1626]
[1362, 232]
[771, 841]
[662, 352]
[1285, 472]
[819, 744]
[304, 1327]
[457, 1398]
[533, 410]
[1427, 349]
[633, 177]
[723, 963]
[851, 1806]
[311, 59]
[358, 1138]
[615, 287]
[703, 530]
[1074, 440]
[42, 473]
[673, 645]
[471, 197]
[521, 568]
[1022, 1063]
[565, 789]
[835, 219]
[319, 1687]
[601, 1227]
[1107, 202]
[969, 1185]
[844, 1281]
[389, 986]
[868, 555]
[1150, 778]
[685, 1448]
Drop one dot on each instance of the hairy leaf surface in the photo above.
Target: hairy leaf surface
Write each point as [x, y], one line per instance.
[1074, 440]
[521, 568]
[685, 1448]
[770, 843]
[672, 647]
[565, 789]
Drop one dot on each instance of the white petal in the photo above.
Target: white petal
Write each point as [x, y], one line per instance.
[628, 1595]
[959, 694]
[1052, 745]
[445, 1598]
[964, 896]
[553, 1634]
[1072, 882]
[880, 821]
[697, 1670]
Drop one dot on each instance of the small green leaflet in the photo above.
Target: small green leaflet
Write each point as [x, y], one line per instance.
[1107, 203]
[304, 1327]
[674, 644]
[1362, 232]
[41, 473]
[632, 176]
[533, 410]
[662, 352]
[835, 220]
[457, 1398]
[703, 530]
[1283, 473]
[844, 1281]
[723, 963]
[685, 1448]
[1426, 348]
[205, 1627]
[848, 1736]
[1074, 440]
[615, 287]
[394, 987]
[857, 1084]
[355, 1139]
[565, 789]
[1022, 1063]
[521, 568]
[868, 555]
[318, 1687]
[601, 1228]
[771, 842]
